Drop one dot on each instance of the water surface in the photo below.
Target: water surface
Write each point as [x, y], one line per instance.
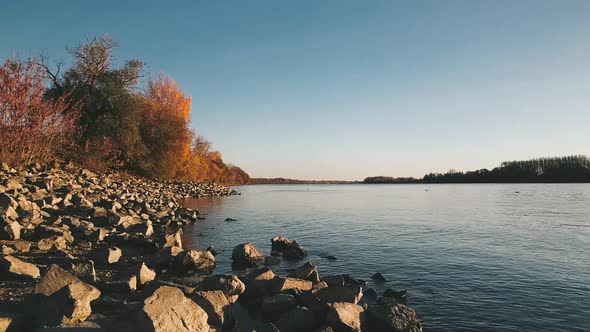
[510, 257]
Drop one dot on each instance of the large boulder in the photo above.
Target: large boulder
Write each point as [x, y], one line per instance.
[307, 271]
[230, 285]
[280, 284]
[14, 267]
[394, 318]
[61, 298]
[169, 310]
[350, 294]
[216, 306]
[344, 316]
[246, 255]
[194, 261]
[259, 282]
[290, 249]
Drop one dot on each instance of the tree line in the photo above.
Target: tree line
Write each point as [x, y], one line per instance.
[99, 115]
[540, 170]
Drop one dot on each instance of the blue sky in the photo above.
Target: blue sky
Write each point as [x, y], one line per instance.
[348, 89]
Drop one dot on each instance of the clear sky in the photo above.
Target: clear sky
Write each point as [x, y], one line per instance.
[347, 89]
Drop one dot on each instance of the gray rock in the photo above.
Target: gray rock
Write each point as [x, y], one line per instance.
[230, 285]
[194, 261]
[216, 306]
[344, 316]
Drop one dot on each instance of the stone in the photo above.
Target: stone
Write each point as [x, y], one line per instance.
[344, 316]
[246, 255]
[13, 230]
[69, 305]
[307, 271]
[290, 248]
[85, 270]
[62, 298]
[331, 294]
[11, 322]
[168, 309]
[277, 304]
[259, 282]
[280, 284]
[395, 318]
[108, 255]
[53, 280]
[397, 295]
[298, 319]
[174, 239]
[6, 250]
[194, 261]
[378, 277]
[216, 306]
[230, 285]
[144, 274]
[333, 280]
[14, 267]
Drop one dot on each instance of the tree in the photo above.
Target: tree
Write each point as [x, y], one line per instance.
[32, 127]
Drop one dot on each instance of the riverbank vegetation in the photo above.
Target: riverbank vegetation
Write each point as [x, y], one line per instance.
[101, 116]
[539, 170]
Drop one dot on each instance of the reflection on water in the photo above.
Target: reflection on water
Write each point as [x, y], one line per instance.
[472, 257]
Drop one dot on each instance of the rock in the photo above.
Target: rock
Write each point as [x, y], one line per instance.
[55, 242]
[398, 295]
[211, 250]
[54, 279]
[290, 248]
[174, 239]
[298, 319]
[216, 306]
[246, 255]
[169, 310]
[271, 260]
[108, 255]
[395, 318]
[69, 305]
[230, 285]
[194, 261]
[378, 277]
[13, 230]
[344, 316]
[370, 292]
[280, 284]
[85, 271]
[350, 294]
[230, 219]
[14, 267]
[307, 271]
[6, 250]
[277, 304]
[333, 280]
[143, 274]
[11, 322]
[62, 298]
[259, 282]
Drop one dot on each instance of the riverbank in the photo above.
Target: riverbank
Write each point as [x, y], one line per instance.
[105, 251]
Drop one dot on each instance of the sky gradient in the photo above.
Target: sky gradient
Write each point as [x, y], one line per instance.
[349, 89]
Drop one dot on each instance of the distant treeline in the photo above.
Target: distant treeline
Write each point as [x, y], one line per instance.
[540, 170]
[293, 181]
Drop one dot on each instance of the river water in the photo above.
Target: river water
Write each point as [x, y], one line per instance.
[508, 257]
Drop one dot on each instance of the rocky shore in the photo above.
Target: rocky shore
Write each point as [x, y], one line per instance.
[103, 252]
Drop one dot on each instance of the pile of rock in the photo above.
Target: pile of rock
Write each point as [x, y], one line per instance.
[97, 251]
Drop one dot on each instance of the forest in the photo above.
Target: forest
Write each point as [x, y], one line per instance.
[540, 170]
[104, 117]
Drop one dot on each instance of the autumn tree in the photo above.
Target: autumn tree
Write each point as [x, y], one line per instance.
[32, 127]
[165, 128]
